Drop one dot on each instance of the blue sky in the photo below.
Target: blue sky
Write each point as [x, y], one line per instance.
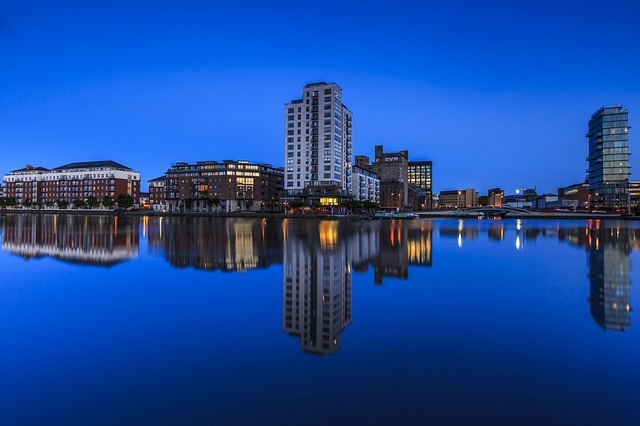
[495, 93]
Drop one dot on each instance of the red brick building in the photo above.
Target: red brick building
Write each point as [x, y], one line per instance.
[156, 194]
[238, 185]
[74, 181]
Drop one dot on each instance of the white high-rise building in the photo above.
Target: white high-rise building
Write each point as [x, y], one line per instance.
[318, 146]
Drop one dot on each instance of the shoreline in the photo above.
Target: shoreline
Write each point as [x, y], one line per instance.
[354, 217]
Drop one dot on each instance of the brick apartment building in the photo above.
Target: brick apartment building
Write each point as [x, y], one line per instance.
[156, 194]
[74, 181]
[238, 185]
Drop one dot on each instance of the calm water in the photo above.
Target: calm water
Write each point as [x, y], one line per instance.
[198, 321]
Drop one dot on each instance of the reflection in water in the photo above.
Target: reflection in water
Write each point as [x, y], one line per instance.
[610, 277]
[100, 240]
[402, 244]
[609, 246]
[232, 244]
[316, 285]
[320, 256]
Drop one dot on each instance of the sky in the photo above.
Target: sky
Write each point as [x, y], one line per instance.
[495, 93]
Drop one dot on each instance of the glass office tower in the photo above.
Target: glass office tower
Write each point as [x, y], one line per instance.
[608, 172]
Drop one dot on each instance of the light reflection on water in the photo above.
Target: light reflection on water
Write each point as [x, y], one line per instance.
[434, 276]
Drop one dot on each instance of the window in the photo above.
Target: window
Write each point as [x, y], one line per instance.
[290, 110]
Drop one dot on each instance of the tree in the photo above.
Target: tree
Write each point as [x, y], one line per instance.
[108, 202]
[10, 202]
[92, 202]
[216, 202]
[248, 204]
[26, 203]
[63, 204]
[78, 204]
[49, 203]
[188, 203]
[483, 200]
[124, 201]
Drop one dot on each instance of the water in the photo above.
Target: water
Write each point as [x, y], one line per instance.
[194, 321]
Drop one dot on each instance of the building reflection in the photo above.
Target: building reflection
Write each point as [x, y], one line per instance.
[230, 244]
[610, 277]
[99, 240]
[608, 246]
[316, 284]
[402, 244]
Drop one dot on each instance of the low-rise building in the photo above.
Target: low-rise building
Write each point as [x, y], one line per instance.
[495, 197]
[144, 200]
[73, 181]
[222, 186]
[574, 196]
[634, 194]
[458, 199]
[156, 194]
[366, 185]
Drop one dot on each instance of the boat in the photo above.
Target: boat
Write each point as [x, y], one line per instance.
[394, 215]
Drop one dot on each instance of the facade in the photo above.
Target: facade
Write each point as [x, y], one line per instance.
[144, 200]
[574, 196]
[74, 181]
[419, 176]
[458, 199]
[318, 144]
[392, 169]
[226, 186]
[608, 172]
[366, 185]
[634, 194]
[495, 197]
[156, 194]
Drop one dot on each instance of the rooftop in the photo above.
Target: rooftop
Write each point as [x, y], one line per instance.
[92, 165]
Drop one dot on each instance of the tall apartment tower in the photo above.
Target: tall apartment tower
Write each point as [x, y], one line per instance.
[318, 146]
[608, 173]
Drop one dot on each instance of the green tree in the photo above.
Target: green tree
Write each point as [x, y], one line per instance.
[49, 203]
[108, 202]
[27, 203]
[248, 204]
[124, 201]
[10, 202]
[78, 204]
[92, 202]
[483, 200]
[216, 202]
[188, 203]
[63, 204]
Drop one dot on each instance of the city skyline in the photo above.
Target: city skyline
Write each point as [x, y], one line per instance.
[496, 95]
